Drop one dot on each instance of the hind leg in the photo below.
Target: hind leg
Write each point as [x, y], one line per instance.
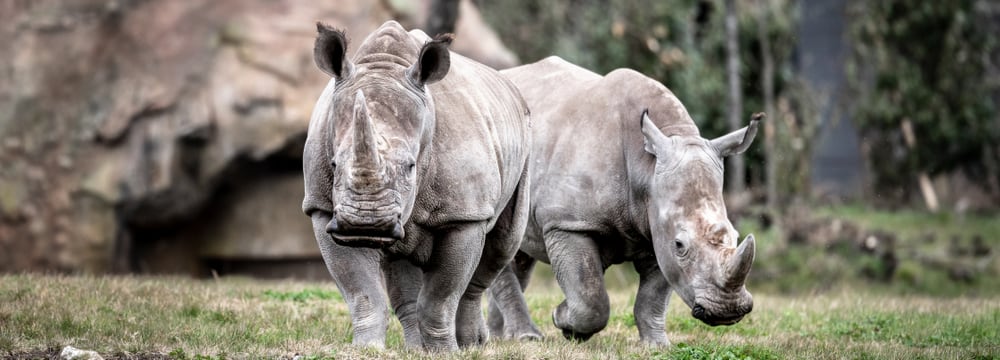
[508, 311]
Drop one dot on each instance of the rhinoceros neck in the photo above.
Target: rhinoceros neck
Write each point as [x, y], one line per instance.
[639, 167]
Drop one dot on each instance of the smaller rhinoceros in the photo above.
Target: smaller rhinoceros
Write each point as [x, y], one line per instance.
[620, 173]
[415, 180]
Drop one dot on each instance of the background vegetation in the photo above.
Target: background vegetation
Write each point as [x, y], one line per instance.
[682, 45]
[929, 63]
[932, 65]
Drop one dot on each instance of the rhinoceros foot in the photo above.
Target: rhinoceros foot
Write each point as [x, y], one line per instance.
[523, 333]
[576, 336]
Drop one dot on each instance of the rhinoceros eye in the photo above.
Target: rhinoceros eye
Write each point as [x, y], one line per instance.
[679, 248]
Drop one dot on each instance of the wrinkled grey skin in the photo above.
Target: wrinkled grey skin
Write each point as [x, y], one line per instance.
[611, 183]
[414, 167]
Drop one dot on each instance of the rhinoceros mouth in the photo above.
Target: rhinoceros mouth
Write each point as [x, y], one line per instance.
[722, 321]
[715, 320]
[377, 235]
[363, 241]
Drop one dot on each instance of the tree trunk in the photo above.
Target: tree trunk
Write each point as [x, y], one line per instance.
[442, 17]
[736, 170]
[767, 78]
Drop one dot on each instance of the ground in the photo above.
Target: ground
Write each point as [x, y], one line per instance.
[181, 318]
[824, 296]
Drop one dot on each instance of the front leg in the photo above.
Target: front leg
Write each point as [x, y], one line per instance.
[651, 302]
[404, 280]
[446, 276]
[509, 316]
[501, 244]
[579, 270]
[358, 274]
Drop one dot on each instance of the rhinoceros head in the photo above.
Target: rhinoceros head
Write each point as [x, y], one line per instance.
[694, 242]
[382, 119]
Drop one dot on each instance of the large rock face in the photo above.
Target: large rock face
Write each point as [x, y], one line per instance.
[160, 135]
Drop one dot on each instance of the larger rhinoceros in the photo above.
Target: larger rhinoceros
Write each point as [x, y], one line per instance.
[620, 173]
[416, 182]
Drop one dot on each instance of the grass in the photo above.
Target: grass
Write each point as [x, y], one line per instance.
[241, 318]
[910, 223]
[929, 249]
[809, 303]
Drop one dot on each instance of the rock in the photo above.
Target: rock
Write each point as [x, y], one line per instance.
[473, 36]
[72, 353]
[141, 123]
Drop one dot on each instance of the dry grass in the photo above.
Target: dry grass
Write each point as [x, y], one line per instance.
[242, 318]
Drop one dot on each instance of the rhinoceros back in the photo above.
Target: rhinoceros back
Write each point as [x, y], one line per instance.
[481, 142]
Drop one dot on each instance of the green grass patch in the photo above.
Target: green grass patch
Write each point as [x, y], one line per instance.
[914, 223]
[238, 318]
[683, 351]
[916, 329]
[302, 295]
[937, 254]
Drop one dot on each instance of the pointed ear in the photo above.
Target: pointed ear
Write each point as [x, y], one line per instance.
[653, 139]
[738, 141]
[433, 61]
[330, 52]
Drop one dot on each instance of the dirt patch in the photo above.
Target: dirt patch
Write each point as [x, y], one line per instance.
[53, 353]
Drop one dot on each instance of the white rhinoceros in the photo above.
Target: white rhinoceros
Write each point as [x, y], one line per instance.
[416, 182]
[620, 173]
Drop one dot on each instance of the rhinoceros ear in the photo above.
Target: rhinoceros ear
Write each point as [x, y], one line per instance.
[653, 139]
[433, 62]
[738, 141]
[330, 52]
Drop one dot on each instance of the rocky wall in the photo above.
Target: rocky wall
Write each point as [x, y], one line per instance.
[156, 135]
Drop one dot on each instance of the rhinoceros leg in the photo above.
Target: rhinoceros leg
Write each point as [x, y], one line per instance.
[358, 274]
[501, 244]
[403, 280]
[446, 277]
[580, 273]
[508, 314]
[651, 302]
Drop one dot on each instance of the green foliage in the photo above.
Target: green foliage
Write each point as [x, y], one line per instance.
[680, 43]
[923, 61]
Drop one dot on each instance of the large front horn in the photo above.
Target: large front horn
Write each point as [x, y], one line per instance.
[365, 140]
[739, 264]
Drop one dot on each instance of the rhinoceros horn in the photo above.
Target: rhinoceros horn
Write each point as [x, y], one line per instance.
[739, 263]
[366, 154]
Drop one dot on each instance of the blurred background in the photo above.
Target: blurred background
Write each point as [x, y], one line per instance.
[165, 137]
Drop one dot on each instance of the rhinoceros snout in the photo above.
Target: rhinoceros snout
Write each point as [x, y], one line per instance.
[722, 317]
[374, 233]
